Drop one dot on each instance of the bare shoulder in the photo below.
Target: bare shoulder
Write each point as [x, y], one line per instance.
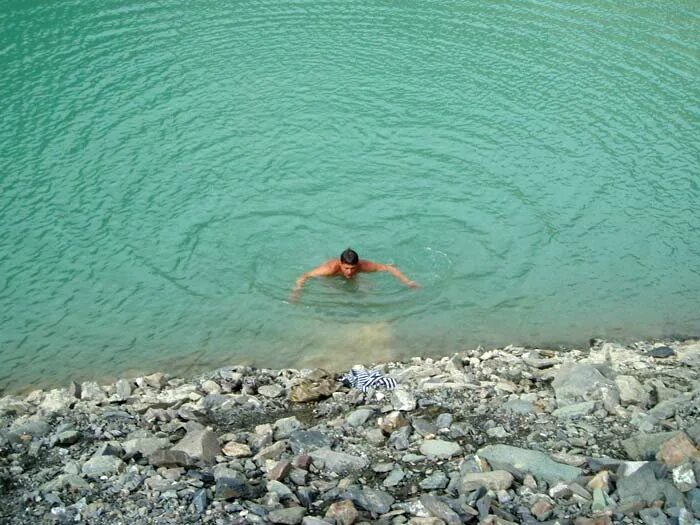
[332, 264]
[370, 266]
[329, 267]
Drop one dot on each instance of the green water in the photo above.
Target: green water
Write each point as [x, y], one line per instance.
[168, 169]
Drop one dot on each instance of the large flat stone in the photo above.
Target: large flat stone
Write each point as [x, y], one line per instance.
[439, 449]
[338, 462]
[536, 463]
[200, 444]
[644, 446]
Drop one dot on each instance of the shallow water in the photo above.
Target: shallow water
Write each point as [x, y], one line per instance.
[168, 170]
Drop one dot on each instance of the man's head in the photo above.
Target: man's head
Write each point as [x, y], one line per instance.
[349, 263]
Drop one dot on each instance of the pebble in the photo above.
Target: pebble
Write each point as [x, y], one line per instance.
[587, 437]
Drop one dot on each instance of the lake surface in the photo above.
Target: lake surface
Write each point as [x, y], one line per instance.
[168, 169]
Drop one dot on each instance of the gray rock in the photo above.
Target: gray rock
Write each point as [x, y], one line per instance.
[92, 392]
[576, 382]
[236, 450]
[170, 458]
[382, 468]
[286, 427]
[439, 448]
[310, 520]
[394, 477]
[270, 391]
[632, 392]
[375, 436]
[519, 406]
[157, 380]
[338, 462]
[601, 500]
[11, 405]
[306, 441]
[200, 501]
[123, 389]
[399, 439]
[200, 444]
[372, 500]
[210, 387]
[497, 432]
[274, 451]
[424, 427]
[694, 500]
[144, 443]
[359, 417]
[662, 352]
[102, 466]
[640, 487]
[69, 481]
[534, 360]
[67, 437]
[231, 484]
[492, 480]
[440, 510]
[403, 400]
[534, 462]
[288, 516]
[110, 448]
[684, 477]
[575, 410]
[56, 402]
[667, 409]
[444, 421]
[653, 516]
[437, 480]
[643, 446]
[280, 489]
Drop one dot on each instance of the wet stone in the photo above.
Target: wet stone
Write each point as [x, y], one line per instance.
[662, 352]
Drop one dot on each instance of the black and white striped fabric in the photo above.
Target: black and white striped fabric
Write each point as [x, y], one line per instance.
[364, 380]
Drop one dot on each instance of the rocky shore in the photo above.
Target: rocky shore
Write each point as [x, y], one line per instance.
[606, 434]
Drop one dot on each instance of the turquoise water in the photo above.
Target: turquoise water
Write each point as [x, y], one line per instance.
[169, 169]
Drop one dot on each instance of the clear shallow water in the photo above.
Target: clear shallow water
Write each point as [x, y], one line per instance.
[168, 171]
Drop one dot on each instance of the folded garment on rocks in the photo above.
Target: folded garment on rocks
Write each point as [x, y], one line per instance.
[364, 380]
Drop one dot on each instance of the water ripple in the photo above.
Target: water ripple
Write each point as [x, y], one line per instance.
[170, 170]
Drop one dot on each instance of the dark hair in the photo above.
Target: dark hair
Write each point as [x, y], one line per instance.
[349, 256]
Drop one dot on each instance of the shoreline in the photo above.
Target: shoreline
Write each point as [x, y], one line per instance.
[374, 346]
[608, 434]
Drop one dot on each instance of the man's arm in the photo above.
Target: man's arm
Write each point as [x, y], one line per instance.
[369, 266]
[326, 268]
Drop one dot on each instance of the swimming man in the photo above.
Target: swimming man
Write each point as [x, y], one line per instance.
[348, 265]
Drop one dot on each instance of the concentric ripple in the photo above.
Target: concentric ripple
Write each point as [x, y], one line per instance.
[169, 170]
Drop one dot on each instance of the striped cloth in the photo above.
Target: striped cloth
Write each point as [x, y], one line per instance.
[364, 380]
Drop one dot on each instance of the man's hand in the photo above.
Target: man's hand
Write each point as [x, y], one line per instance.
[412, 284]
[296, 292]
